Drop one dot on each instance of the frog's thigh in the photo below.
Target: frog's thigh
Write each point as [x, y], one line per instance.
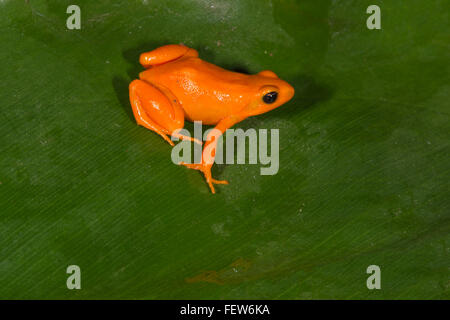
[165, 54]
[153, 109]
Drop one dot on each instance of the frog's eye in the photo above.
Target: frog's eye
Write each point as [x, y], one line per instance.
[270, 97]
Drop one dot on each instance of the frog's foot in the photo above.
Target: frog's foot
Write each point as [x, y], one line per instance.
[206, 172]
[183, 137]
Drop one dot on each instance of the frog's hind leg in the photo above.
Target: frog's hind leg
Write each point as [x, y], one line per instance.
[139, 113]
[165, 54]
[154, 111]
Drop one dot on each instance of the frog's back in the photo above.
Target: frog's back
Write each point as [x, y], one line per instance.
[205, 91]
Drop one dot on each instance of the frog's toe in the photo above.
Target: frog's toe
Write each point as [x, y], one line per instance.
[212, 181]
[211, 186]
[183, 137]
[219, 181]
[167, 139]
[195, 166]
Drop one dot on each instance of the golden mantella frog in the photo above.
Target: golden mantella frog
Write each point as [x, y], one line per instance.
[178, 85]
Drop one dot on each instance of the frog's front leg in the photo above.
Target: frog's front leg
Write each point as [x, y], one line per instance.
[156, 109]
[209, 151]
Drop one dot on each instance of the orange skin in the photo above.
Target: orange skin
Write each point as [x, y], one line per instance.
[178, 85]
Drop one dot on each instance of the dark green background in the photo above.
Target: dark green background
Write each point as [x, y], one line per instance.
[364, 154]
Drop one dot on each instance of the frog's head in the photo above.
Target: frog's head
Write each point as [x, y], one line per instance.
[269, 92]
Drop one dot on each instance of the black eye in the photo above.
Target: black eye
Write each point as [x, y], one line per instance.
[270, 97]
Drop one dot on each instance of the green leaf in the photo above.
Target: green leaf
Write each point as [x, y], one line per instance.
[364, 145]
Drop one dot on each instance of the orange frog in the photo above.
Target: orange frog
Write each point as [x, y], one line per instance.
[178, 85]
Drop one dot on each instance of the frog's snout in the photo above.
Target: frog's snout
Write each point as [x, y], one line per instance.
[290, 91]
[286, 92]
